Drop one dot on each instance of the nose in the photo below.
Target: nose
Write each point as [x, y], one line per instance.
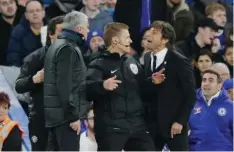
[205, 83]
[130, 41]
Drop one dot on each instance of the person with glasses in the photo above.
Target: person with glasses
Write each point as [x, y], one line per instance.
[64, 74]
[25, 37]
[87, 138]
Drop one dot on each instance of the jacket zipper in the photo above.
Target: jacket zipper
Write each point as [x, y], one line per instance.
[125, 93]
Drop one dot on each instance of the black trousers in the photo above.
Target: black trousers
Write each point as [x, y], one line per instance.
[63, 138]
[38, 134]
[177, 143]
[117, 141]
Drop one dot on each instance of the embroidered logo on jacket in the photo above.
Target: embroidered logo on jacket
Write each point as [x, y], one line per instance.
[222, 111]
[197, 110]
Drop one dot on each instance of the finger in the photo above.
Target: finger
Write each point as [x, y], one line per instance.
[117, 81]
[116, 85]
[161, 71]
[114, 77]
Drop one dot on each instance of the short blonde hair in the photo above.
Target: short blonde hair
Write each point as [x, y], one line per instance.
[210, 9]
[112, 30]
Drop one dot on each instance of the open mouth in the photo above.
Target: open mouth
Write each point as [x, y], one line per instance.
[206, 89]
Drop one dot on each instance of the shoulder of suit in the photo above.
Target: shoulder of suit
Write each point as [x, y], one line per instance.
[178, 55]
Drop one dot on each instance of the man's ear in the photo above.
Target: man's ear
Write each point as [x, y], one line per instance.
[210, 16]
[220, 85]
[115, 40]
[165, 41]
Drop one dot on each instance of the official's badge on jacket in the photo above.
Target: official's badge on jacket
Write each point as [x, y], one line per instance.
[134, 68]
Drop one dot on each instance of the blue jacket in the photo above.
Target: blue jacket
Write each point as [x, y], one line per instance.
[211, 126]
[22, 42]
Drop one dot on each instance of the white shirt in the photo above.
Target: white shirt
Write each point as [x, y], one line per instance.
[209, 102]
[160, 57]
[87, 144]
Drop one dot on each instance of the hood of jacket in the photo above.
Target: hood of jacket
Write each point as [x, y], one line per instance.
[177, 8]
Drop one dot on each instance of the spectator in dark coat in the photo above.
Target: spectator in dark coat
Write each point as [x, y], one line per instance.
[10, 17]
[217, 12]
[25, 37]
[203, 37]
[137, 15]
[31, 80]
[181, 18]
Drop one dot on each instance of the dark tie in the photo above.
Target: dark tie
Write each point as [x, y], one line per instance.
[154, 63]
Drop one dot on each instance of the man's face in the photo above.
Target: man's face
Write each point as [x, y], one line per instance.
[84, 29]
[210, 85]
[144, 42]
[92, 5]
[3, 111]
[228, 56]
[207, 34]
[90, 122]
[8, 8]
[124, 41]
[224, 73]
[95, 42]
[57, 31]
[230, 93]
[34, 12]
[155, 39]
[204, 62]
[219, 17]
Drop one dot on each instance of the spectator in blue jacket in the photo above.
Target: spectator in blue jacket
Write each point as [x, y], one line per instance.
[98, 18]
[25, 37]
[211, 120]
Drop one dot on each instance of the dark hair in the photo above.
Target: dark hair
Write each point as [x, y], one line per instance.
[4, 99]
[203, 52]
[228, 45]
[51, 27]
[167, 31]
[28, 2]
[219, 80]
[142, 35]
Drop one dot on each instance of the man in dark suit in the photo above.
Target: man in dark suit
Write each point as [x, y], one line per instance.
[170, 89]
